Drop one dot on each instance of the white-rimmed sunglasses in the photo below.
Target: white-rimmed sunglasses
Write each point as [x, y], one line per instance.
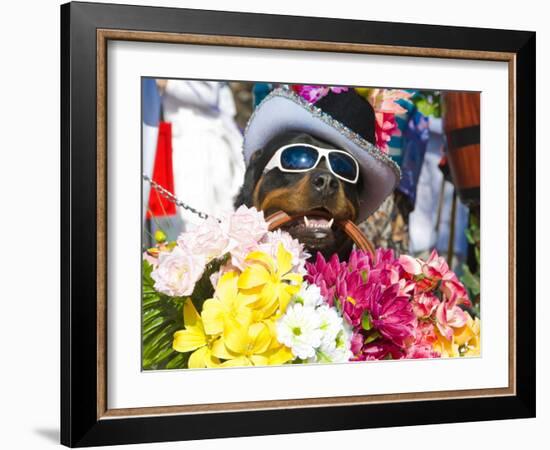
[304, 157]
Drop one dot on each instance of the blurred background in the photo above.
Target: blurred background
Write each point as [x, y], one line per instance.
[193, 165]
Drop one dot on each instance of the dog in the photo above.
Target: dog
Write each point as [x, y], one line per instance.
[316, 190]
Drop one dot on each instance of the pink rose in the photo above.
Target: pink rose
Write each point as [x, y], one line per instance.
[246, 225]
[177, 272]
[207, 241]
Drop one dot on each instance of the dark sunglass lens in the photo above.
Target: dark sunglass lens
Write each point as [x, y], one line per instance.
[298, 157]
[343, 165]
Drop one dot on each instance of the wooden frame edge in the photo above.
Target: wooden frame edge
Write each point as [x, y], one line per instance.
[213, 408]
[512, 199]
[103, 36]
[289, 44]
[101, 190]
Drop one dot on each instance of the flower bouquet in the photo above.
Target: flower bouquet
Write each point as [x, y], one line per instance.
[232, 293]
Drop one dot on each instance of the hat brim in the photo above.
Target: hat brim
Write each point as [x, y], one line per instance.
[283, 110]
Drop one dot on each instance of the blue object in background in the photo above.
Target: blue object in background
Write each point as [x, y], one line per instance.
[151, 102]
[151, 115]
[414, 141]
[409, 147]
[259, 92]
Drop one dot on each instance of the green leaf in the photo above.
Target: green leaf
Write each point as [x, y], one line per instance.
[162, 316]
[338, 304]
[179, 361]
[366, 322]
[372, 337]
[151, 325]
[364, 276]
[471, 281]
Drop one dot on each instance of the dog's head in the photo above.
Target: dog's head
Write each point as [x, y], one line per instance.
[299, 193]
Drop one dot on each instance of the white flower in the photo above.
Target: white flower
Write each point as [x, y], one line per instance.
[177, 272]
[309, 295]
[331, 325]
[336, 350]
[334, 355]
[342, 352]
[299, 330]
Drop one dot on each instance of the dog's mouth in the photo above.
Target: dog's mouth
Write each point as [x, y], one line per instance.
[315, 229]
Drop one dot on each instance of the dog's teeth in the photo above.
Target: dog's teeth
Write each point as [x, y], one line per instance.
[330, 223]
[306, 221]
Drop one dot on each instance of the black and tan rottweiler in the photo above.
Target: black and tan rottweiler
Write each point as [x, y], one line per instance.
[316, 189]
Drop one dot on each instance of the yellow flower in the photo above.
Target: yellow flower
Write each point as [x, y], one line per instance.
[228, 305]
[277, 353]
[237, 326]
[445, 347]
[250, 345]
[194, 337]
[467, 338]
[272, 280]
[465, 341]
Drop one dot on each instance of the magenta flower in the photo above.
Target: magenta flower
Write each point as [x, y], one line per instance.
[325, 274]
[352, 296]
[380, 349]
[386, 270]
[357, 341]
[313, 93]
[339, 89]
[310, 93]
[393, 304]
[359, 261]
[392, 314]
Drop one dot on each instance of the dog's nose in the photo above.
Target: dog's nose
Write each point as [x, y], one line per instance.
[325, 183]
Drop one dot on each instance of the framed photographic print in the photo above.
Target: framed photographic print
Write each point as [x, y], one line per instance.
[278, 224]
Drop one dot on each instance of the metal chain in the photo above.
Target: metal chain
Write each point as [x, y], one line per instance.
[171, 197]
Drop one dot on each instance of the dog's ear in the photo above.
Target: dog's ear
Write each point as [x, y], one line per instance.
[251, 178]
